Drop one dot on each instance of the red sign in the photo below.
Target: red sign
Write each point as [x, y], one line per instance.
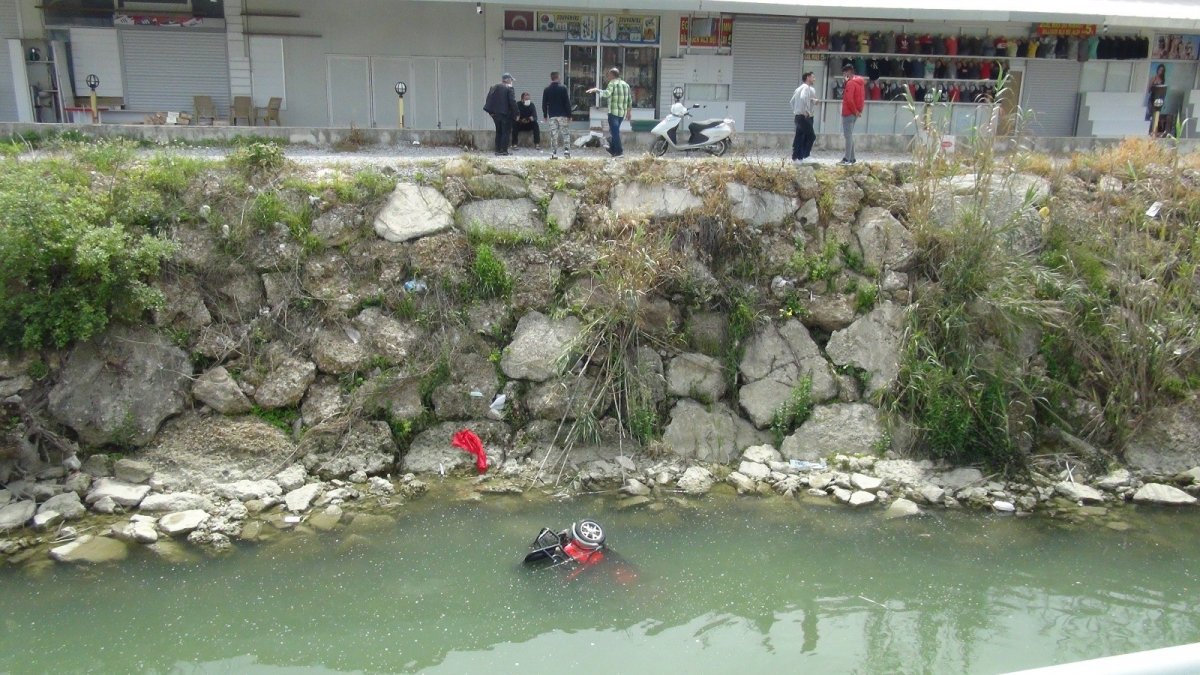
[1067, 29]
[518, 20]
[708, 32]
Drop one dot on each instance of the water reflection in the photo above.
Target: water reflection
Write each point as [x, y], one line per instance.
[747, 586]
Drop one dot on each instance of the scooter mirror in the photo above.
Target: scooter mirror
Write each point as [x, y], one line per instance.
[677, 92]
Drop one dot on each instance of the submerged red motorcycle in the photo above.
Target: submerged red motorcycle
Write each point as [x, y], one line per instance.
[578, 548]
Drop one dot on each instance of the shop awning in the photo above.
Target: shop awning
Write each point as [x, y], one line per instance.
[1168, 15]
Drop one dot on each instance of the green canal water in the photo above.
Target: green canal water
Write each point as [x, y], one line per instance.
[749, 586]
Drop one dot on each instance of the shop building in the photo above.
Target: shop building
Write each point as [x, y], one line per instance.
[1083, 68]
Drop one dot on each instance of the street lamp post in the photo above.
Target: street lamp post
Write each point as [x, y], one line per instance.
[93, 82]
[401, 89]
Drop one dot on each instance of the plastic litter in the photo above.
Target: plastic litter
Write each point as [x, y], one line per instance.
[496, 409]
[475, 393]
[415, 286]
[468, 441]
[292, 520]
[802, 465]
[1152, 212]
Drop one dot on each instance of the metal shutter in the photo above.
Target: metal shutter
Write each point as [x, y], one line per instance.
[96, 51]
[530, 61]
[8, 29]
[767, 56]
[1052, 93]
[163, 69]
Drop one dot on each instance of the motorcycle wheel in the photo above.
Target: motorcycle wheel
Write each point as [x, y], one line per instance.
[659, 148]
[721, 148]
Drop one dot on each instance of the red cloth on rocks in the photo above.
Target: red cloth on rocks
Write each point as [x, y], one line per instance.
[468, 441]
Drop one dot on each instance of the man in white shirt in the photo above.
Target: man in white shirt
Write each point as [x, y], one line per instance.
[804, 104]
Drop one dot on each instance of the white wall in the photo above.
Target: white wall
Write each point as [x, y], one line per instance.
[9, 19]
[372, 28]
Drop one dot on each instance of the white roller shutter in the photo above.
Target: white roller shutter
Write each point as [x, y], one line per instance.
[96, 51]
[8, 29]
[767, 56]
[530, 57]
[1051, 91]
[266, 70]
[163, 69]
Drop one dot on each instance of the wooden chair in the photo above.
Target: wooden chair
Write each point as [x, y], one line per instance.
[243, 109]
[271, 112]
[204, 109]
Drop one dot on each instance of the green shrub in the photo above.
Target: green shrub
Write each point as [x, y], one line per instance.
[280, 418]
[257, 157]
[793, 412]
[373, 185]
[489, 276]
[65, 269]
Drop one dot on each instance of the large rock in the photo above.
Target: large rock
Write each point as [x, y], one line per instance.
[901, 508]
[849, 428]
[339, 225]
[302, 497]
[431, 452]
[509, 216]
[120, 492]
[696, 480]
[873, 344]
[292, 477]
[182, 522]
[472, 386]
[538, 346]
[758, 207]
[709, 433]
[132, 470]
[337, 351]
[90, 550]
[696, 376]
[17, 514]
[285, 385]
[567, 397]
[1077, 492]
[67, 505]
[658, 200]
[413, 211]
[216, 389]
[1157, 493]
[175, 501]
[1168, 441]
[119, 388]
[323, 402]
[775, 362]
[333, 452]
[1011, 206]
[497, 186]
[886, 244]
[387, 337]
[246, 490]
[563, 210]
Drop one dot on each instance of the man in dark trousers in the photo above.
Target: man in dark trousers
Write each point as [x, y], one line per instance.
[556, 108]
[854, 100]
[501, 104]
[527, 120]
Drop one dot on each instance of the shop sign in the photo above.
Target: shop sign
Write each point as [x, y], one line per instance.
[578, 27]
[629, 30]
[717, 32]
[1067, 29]
[518, 20]
[1177, 47]
[157, 21]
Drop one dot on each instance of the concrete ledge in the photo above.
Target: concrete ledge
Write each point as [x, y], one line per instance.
[744, 143]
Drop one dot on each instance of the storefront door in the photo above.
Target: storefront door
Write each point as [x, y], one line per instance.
[349, 92]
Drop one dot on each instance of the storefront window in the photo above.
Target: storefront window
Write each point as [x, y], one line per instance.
[581, 76]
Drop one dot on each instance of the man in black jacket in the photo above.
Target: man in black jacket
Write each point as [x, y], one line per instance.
[527, 120]
[556, 108]
[501, 104]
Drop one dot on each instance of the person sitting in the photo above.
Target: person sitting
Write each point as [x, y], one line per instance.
[527, 120]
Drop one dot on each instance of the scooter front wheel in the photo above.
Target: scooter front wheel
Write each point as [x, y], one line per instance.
[659, 148]
[718, 149]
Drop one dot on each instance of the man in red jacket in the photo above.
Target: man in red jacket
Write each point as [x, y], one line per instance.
[853, 102]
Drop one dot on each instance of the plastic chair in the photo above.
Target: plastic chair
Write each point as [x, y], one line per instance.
[271, 112]
[243, 109]
[204, 109]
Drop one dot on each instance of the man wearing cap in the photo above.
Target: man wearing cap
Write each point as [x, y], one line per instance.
[853, 101]
[501, 104]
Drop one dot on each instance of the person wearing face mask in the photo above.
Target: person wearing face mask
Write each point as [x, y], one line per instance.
[527, 120]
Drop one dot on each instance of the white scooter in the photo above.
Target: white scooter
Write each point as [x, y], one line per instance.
[712, 135]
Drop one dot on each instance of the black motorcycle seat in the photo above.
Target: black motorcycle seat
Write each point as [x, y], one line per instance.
[697, 127]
